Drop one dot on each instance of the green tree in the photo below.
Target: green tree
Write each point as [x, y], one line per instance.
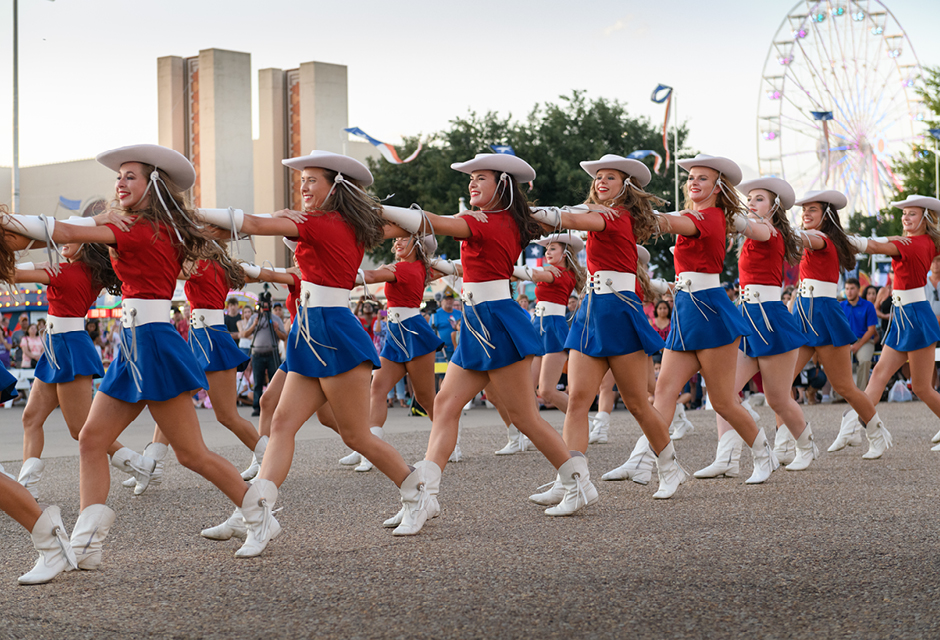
[553, 138]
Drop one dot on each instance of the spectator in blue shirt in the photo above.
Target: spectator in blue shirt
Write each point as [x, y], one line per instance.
[864, 321]
[444, 322]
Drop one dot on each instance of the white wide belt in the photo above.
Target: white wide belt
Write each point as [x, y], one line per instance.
[544, 308]
[757, 293]
[400, 314]
[611, 282]
[810, 288]
[479, 292]
[55, 324]
[204, 318]
[901, 297]
[136, 311]
[314, 295]
[692, 281]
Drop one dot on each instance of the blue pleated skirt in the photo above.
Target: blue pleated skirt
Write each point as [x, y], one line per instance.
[916, 329]
[166, 364]
[339, 340]
[7, 385]
[75, 355]
[553, 331]
[713, 322]
[415, 334]
[509, 331]
[215, 349]
[828, 324]
[786, 335]
[606, 326]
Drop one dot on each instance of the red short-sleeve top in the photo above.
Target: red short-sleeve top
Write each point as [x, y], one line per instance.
[328, 253]
[293, 291]
[912, 266]
[704, 253]
[492, 249]
[147, 263]
[762, 262]
[208, 286]
[408, 288]
[71, 292]
[820, 264]
[614, 248]
[557, 291]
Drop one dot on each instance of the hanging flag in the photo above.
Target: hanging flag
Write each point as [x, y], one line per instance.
[639, 155]
[503, 148]
[663, 93]
[71, 205]
[388, 151]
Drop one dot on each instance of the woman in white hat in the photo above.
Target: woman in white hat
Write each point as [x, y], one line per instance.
[827, 250]
[610, 330]
[69, 361]
[497, 341]
[330, 357]
[773, 346]
[913, 332]
[706, 328]
[151, 237]
[412, 344]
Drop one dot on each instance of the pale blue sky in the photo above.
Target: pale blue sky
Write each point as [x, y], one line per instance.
[88, 67]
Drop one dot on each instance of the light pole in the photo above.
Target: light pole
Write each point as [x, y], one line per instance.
[936, 160]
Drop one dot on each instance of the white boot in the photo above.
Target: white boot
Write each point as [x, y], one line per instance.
[516, 442]
[670, 472]
[52, 542]
[579, 491]
[89, 533]
[806, 451]
[256, 456]
[638, 467]
[747, 406]
[554, 494]
[351, 459]
[765, 462]
[156, 452]
[30, 475]
[784, 445]
[727, 457]
[847, 432]
[414, 502]
[879, 440]
[234, 527]
[936, 437]
[681, 426]
[261, 525]
[601, 426]
[136, 465]
[432, 485]
[365, 465]
[457, 455]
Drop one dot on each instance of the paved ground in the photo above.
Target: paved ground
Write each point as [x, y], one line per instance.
[848, 548]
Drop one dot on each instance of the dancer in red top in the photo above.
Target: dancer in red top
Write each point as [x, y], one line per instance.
[913, 333]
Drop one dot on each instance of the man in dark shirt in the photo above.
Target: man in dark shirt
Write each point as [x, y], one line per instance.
[232, 316]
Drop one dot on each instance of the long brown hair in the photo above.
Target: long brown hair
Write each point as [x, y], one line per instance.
[360, 213]
[95, 256]
[832, 227]
[645, 286]
[932, 227]
[233, 271]
[179, 209]
[7, 255]
[422, 256]
[638, 202]
[529, 228]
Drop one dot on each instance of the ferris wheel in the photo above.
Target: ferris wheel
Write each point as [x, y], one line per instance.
[837, 101]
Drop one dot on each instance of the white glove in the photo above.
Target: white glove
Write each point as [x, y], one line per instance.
[408, 219]
[548, 215]
[25, 266]
[642, 255]
[360, 278]
[858, 243]
[444, 266]
[79, 221]
[522, 272]
[29, 226]
[231, 219]
[251, 270]
[740, 222]
[291, 244]
[659, 286]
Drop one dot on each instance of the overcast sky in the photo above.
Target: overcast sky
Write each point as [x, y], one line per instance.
[88, 67]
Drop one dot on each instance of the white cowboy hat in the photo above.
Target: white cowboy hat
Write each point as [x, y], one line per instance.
[780, 188]
[563, 238]
[349, 167]
[836, 198]
[728, 168]
[633, 168]
[500, 163]
[173, 163]
[924, 202]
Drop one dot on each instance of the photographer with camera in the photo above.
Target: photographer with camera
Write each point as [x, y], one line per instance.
[265, 330]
